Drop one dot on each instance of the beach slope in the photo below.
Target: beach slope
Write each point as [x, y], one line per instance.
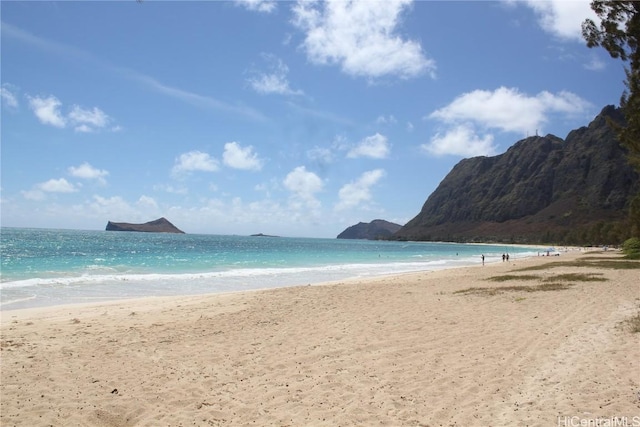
[416, 349]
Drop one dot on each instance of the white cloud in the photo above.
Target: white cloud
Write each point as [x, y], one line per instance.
[509, 110]
[360, 36]
[33, 194]
[386, 120]
[320, 154]
[358, 192]
[88, 120]
[340, 142]
[47, 45]
[8, 97]
[595, 64]
[192, 98]
[57, 186]
[462, 141]
[265, 6]
[304, 185]
[51, 186]
[86, 171]
[410, 127]
[322, 115]
[562, 18]
[194, 161]
[113, 208]
[237, 157]
[83, 128]
[47, 110]
[237, 216]
[147, 202]
[375, 146]
[275, 80]
[504, 109]
[171, 189]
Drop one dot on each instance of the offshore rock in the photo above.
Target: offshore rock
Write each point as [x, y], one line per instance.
[161, 225]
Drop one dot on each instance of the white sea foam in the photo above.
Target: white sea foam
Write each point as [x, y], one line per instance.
[49, 267]
[313, 274]
[18, 300]
[319, 273]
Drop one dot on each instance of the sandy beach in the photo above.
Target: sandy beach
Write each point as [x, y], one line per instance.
[419, 349]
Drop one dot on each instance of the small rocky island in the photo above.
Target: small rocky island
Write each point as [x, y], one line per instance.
[161, 225]
[378, 229]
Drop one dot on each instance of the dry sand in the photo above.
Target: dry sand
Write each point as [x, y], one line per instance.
[394, 351]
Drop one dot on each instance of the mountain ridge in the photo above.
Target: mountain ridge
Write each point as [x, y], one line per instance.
[542, 189]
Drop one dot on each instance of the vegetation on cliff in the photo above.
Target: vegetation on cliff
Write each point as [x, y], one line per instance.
[543, 189]
[619, 34]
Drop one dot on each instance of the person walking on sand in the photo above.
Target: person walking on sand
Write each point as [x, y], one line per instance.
[482, 259]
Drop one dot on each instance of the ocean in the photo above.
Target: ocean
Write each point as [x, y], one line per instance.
[41, 267]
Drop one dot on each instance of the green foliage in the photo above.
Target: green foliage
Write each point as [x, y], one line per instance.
[634, 216]
[619, 34]
[631, 245]
[631, 248]
[619, 42]
[611, 233]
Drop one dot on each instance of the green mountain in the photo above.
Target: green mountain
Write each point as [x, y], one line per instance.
[542, 190]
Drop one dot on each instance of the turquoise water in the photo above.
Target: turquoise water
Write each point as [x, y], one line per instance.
[49, 267]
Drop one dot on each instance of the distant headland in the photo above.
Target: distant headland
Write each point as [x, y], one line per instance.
[161, 225]
[378, 229]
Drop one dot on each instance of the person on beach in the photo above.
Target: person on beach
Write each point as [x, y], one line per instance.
[482, 259]
[503, 257]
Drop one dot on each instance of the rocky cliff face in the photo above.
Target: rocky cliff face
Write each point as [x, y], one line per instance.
[541, 189]
[374, 230]
[161, 225]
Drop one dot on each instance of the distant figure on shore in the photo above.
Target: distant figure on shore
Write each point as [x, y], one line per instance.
[482, 259]
[504, 257]
[507, 257]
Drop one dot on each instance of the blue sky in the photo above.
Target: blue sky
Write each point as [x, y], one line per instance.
[287, 118]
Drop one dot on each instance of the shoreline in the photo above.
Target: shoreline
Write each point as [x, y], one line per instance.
[205, 283]
[405, 349]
